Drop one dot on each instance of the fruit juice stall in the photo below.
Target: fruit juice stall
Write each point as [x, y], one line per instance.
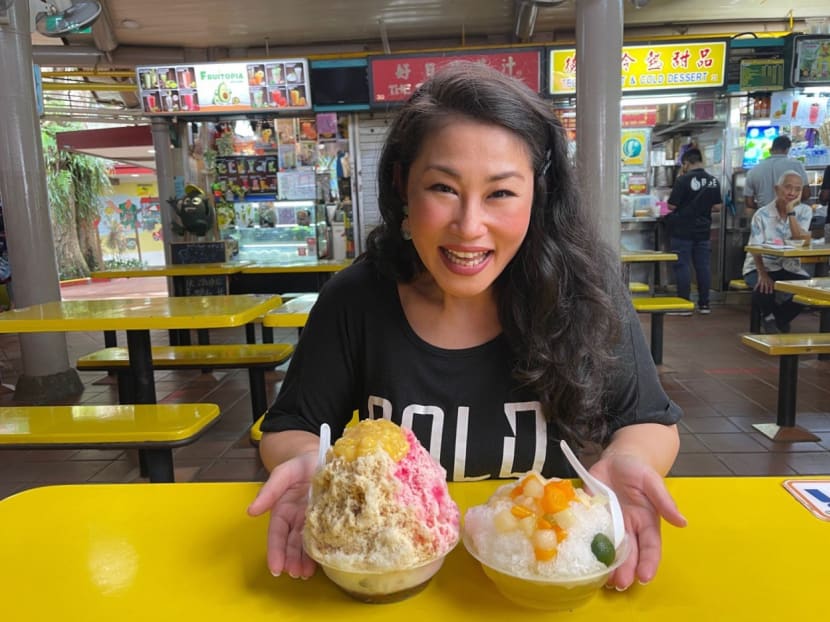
[275, 167]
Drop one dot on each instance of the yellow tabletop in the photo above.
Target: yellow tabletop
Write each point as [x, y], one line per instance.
[814, 288]
[640, 256]
[323, 265]
[138, 313]
[193, 269]
[814, 250]
[189, 552]
[141, 423]
[292, 314]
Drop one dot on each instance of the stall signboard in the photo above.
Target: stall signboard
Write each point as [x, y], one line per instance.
[810, 60]
[680, 66]
[222, 88]
[762, 74]
[394, 78]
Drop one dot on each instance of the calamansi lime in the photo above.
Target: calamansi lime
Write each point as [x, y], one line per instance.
[603, 549]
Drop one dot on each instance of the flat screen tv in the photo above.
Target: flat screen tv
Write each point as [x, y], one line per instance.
[758, 141]
[339, 85]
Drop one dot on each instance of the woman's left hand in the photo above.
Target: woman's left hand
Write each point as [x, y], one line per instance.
[644, 500]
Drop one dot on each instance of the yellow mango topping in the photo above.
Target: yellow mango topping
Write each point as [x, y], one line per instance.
[369, 436]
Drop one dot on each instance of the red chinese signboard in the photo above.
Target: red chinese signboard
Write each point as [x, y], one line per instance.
[395, 78]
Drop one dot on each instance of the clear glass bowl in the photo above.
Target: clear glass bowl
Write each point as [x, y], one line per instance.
[544, 593]
[385, 586]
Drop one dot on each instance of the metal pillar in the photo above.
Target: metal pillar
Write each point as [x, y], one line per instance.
[46, 371]
[598, 91]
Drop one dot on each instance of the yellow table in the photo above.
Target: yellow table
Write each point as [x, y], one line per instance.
[629, 257]
[187, 269]
[138, 316]
[189, 552]
[815, 253]
[322, 265]
[292, 314]
[815, 288]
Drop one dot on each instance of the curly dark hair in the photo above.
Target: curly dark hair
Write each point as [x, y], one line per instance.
[556, 302]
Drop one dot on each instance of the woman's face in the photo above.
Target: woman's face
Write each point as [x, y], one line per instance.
[469, 193]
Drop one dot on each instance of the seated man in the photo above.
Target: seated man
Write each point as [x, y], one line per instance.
[784, 218]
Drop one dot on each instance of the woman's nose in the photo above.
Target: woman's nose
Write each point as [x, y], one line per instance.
[470, 218]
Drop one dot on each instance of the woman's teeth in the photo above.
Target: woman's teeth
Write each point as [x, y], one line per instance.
[465, 258]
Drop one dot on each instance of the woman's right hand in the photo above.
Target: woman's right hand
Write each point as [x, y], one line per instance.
[285, 495]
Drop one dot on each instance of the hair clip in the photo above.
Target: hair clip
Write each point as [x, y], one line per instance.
[547, 163]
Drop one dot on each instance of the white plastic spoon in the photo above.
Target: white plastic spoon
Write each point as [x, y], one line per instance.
[325, 443]
[596, 486]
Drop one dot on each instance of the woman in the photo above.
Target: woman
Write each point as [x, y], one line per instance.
[485, 315]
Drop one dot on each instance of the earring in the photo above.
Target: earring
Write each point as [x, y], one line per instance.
[406, 234]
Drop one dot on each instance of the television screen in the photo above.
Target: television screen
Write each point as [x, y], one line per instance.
[339, 87]
[758, 141]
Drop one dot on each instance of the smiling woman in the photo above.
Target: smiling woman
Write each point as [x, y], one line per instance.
[473, 317]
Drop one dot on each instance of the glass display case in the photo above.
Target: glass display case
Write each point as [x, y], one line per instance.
[274, 231]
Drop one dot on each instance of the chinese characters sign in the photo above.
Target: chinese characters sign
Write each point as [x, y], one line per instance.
[395, 78]
[662, 67]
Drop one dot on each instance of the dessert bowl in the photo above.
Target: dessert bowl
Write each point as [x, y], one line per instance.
[795, 243]
[552, 594]
[383, 586]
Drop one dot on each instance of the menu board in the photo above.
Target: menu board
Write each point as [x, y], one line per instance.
[252, 174]
[811, 60]
[250, 86]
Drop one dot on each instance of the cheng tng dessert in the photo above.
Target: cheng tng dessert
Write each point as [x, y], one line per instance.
[380, 519]
[544, 543]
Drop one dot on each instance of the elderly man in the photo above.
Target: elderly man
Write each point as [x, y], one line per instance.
[759, 188]
[784, 218]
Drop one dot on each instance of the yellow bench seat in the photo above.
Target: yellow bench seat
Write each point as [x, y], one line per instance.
[789, 344]
[256, 358]
[635, 287]
[658, 307]
[662, 304]
[153, 429]
[738, 284]
[811, 302]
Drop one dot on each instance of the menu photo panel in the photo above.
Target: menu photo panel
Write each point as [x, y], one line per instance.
[272, 85]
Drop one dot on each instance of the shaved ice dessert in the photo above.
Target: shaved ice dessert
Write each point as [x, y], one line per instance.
[544, 543]
[380, 519]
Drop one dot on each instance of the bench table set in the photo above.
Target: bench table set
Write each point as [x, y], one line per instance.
[138, 316]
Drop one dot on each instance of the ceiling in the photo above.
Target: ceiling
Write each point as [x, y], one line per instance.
[131, 33]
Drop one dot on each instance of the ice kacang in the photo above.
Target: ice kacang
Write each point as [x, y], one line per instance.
[379, 509]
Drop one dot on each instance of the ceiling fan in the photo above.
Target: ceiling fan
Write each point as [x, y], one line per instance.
[55, 18]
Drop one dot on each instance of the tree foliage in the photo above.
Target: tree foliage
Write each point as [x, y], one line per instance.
[74, 183]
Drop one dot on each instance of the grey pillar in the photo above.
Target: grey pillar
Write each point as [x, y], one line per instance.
[46, 372]
[598, 51]
[164, 174]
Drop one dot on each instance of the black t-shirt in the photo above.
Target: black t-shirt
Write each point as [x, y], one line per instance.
[358, 352]
[693, 196]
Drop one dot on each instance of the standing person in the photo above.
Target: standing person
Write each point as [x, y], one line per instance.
[820, 215]
[759, 189]
[486, 315]
[784, 218]
[695, 195]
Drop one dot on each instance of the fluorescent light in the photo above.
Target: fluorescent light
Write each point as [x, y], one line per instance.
[655, 100]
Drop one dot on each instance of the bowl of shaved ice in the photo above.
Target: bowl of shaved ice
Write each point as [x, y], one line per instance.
[380, 520]
[544, 543]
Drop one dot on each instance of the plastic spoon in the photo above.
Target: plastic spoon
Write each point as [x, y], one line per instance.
[597, 486]
[322, 449]
[325, 443]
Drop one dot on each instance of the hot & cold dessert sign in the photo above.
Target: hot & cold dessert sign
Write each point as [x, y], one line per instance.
[250, 86]
[395, 78]
[678, 66]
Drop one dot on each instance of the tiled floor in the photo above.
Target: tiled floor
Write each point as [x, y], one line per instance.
[722, 386]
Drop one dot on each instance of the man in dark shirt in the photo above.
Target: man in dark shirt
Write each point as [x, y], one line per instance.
[694, 196]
